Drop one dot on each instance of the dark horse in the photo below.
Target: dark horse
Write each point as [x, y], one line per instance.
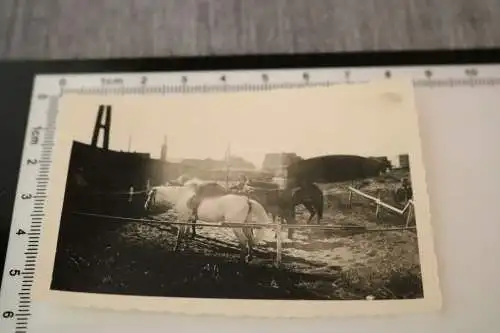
[282, 202]
[311, 196]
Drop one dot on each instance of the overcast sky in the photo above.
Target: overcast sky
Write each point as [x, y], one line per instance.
[309, 122]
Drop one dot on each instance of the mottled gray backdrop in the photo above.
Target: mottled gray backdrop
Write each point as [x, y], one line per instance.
[126, 28]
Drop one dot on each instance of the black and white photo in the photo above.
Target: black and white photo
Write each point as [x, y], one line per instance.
[226, 202]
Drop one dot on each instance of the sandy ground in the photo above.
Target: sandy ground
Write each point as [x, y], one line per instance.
[137, 258]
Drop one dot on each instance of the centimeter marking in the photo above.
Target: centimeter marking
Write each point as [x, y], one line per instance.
[254, 80]
[29, 209]
[23, 246]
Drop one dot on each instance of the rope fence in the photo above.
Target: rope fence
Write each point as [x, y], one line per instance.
[278, 227]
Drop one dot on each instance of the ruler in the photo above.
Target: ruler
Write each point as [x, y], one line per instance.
[16, 306]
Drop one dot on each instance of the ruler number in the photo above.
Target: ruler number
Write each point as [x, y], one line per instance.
[31, 161]
[8, 314]
[20, 232]
[14, 272]
[35, 135]
[347, 75]
[306, 77]
[26, 196]
[471, 72]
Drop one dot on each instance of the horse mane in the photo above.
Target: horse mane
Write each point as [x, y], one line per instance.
[263, 185]
[194, 181]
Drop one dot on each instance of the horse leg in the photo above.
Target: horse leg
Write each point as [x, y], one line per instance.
[193, 229]
[250, 244]
[242, 240]
[178, 239]
[291, 219]
[311, 210]
[274, 221]
[180, 235]
[245, 252]
[249, 256]
[318, 218]
[194, 219]
[246, 244]
[313, 213]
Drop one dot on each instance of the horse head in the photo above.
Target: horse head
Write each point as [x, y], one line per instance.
[161, 197]
[150, 199]
[193, 182]
[387, 164]
[383, 164]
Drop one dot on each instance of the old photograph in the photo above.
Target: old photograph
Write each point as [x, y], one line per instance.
[178, 201]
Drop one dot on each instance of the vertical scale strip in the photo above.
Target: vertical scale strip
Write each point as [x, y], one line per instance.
[31, 253]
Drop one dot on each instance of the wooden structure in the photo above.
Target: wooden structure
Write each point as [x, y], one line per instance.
[102, 122]
[408, 209]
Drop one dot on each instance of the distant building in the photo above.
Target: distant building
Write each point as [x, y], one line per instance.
[214, 169]
[277, 162]
[399, 161]
[235, 162]
[404, 161]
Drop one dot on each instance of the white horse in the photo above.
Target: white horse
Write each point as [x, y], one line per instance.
[231, 208]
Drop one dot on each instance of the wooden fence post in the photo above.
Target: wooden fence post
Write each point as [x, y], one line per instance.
[130, 194]
[377, 211]
[278, 244]
[351, 195]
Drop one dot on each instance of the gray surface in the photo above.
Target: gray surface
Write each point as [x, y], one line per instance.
[125, 28]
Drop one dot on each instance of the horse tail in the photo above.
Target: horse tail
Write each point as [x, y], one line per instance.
[320, 207]
[260, 213]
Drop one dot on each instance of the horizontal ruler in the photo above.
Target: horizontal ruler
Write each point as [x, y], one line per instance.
[132, 83]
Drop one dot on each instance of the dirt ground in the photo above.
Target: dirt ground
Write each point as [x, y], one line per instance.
[108, 256]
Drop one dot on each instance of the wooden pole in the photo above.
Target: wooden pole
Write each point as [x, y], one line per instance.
[130, 194]
[351, 195]
[278, 244]
[377, 211]
[383, 204]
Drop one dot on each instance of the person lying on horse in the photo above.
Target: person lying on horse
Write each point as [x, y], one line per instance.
[406, 187]
[241, 185]
[404, 192]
